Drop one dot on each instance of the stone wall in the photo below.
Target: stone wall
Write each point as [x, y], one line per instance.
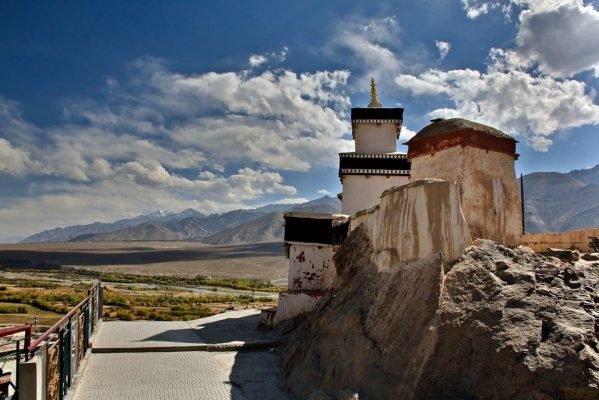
[416, 221]
[489, 191]
[578, 239]
[361, 191]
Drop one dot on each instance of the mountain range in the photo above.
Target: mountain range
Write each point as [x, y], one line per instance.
[558, 202]
[554, 202]
[238, 226]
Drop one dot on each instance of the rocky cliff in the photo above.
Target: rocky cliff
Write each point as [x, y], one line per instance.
[560, 202]
[498, 323]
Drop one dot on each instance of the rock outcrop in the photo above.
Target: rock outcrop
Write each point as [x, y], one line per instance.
[499, 323]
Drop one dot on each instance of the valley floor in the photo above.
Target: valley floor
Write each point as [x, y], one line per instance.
[262, 261]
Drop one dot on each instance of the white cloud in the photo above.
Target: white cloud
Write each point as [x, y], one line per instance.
[292, 200]
[558, 36]
[531, 107]
[13, 160]
[406, 134]
[372, 43]
[257, 60]
[443, 48]
[279, 120]
[524, 90]
[134, 188]
[281, 55]
[325, 192]
[553, 35]
[475, 9]
[164, 139]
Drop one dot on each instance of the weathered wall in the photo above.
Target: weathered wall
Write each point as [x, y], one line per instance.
[361, 192]
[416, 221]
[310, 267]
[375, 138]
[294, 303]
[489, 191]
[578, 239]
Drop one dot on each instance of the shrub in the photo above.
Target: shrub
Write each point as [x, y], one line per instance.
[13, 310]
[124, 315]
[140, 312]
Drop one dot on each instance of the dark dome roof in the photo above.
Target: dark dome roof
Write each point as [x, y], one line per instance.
[456, 124]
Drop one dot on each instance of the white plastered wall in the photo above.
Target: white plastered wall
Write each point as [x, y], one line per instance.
[375, 138]
[489, 190]
[293, 304]
[311, 266]
[363, 191]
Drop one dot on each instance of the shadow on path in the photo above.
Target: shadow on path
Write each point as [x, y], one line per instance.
[254, 374]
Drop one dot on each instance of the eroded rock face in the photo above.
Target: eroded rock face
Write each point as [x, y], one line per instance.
[498, 324]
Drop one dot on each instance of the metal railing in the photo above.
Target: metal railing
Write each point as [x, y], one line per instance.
[6, 382]
[61, 348]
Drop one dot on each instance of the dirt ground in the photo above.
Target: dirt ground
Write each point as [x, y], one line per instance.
[264, 261]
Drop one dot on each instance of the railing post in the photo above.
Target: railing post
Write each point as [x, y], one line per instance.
[27, 343]
[100, 301]
[16, 395]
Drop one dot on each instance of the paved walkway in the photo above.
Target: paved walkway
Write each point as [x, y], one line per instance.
[184, 360]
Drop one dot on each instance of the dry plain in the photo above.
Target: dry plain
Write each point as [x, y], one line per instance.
[30, 278]
[262, 261]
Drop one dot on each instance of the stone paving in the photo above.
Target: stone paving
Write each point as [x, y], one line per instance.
[128, 334]
[180, 375]
[151, 360]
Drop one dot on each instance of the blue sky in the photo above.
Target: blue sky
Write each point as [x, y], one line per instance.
[111, 109]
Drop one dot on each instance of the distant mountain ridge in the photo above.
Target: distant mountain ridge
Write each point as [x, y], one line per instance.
[558, 202]
[554, 202]
[237, 226]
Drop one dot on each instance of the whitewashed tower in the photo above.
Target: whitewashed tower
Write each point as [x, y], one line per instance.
[375, 165]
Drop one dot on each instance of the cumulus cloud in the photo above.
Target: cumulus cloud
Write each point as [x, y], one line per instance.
[133, 188]
[532, 107]
[527, 90]
[280, 120]
[443, 48]
[406, 134]
[372, 43]
[553, 35]
[164, 140]
[476, 8]
[256, 60]
[558, 37]
[13, 161]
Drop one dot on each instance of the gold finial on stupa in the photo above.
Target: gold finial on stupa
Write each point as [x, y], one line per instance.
[374, 100]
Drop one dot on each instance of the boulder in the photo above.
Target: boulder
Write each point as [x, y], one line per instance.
[563, 254]
[590, 256]
[499, 323]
